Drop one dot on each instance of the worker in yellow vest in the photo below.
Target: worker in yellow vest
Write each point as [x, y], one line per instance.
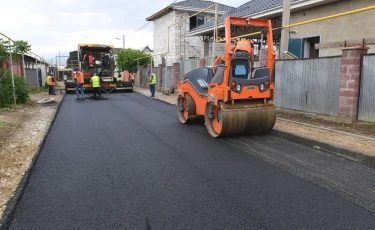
[95, 81]
[119, 77]
[152, 83]
[51, 84]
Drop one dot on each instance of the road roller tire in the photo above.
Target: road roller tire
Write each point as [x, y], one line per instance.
[186, 108]
[224, 120]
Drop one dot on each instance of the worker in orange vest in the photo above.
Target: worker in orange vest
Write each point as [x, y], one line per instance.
[51, 84]
[79, 87]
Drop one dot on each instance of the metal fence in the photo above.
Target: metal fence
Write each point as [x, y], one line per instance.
[188, 65]
[366, 110]
[310, 85]
[167, 77]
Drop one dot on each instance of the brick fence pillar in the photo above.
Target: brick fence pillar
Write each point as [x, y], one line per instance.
[160, 76]
[263, 62]
[202, 62]
[349, 82]
[175, 74]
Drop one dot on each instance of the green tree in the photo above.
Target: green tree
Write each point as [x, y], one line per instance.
[126, 59]
[18, 49]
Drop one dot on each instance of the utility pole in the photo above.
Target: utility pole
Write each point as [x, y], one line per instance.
[123, 41]
[11, 69]
[285, 32]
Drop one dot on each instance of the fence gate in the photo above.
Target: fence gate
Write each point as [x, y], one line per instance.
[366, 110]
[310, 85]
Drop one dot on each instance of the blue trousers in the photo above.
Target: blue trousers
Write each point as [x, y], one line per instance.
[152, 89]
[51, 89]
[79, 91]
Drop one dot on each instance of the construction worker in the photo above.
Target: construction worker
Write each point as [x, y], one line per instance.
[119, 78]
[65, 77]
[95, 81]
[51, 85]
[79, 86]
[132, 77]
[152, 83]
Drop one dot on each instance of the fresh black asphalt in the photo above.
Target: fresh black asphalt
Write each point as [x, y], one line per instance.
[127, 163]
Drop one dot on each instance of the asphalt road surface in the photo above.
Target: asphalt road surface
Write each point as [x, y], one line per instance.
[127, 163]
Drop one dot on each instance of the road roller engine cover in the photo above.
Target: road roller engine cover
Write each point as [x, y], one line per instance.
[232, 96]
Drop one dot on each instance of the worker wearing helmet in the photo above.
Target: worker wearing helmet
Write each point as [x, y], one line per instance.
[79, 87]
[152, 83]
[95, 81]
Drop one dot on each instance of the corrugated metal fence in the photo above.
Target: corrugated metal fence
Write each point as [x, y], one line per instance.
[187, 66]
[167, 77]
[310, 85]
[366, 110]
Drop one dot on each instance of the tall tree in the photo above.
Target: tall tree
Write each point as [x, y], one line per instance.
[18, 49]
[126, 59]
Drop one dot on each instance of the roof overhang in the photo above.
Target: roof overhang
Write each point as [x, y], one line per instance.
[159, 13]
[269, 13]
[209, 11]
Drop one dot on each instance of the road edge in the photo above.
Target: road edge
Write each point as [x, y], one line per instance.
[347, 153]
[12, 203]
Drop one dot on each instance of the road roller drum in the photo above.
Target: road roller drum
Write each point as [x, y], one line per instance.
[227, 120]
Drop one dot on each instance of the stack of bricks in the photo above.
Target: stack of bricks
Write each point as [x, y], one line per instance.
[349, 82]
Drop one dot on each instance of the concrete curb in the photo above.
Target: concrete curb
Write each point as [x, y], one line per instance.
[11, 205]
[347, 153]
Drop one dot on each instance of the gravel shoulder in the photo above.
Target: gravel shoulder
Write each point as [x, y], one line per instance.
[346, 141]
[21, 131]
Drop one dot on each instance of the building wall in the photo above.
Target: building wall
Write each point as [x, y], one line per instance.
[179, 45]
[160, 34]
[351, 27]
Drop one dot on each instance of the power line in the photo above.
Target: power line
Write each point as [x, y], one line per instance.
[139, 29]
[146, 23]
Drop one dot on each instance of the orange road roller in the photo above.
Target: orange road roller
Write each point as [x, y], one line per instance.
[232, 96]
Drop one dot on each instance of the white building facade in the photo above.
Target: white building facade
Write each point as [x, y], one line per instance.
[171, 36]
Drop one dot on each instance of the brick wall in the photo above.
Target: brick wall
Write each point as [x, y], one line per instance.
[160, 77]
[349, 82]
[17, 67]
[176, 74]
[202, 62]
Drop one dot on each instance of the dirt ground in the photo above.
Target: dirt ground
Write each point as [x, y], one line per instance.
[22, 128]
[315, 133]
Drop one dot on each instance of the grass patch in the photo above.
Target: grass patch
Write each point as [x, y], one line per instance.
[35, 90]
[370, 124]
[2, 123]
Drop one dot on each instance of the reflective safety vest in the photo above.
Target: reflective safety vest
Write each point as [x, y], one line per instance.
[153, 79]
[119, 78]
[80, 77]
[95, 81]
[51, 81]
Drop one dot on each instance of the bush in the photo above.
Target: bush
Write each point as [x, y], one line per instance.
[6, 89]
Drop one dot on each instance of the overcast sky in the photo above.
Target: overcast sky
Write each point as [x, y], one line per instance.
[51, 26]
